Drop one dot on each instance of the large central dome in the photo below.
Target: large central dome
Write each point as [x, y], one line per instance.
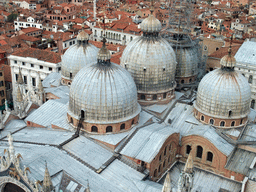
[152, 63]
[104, 93]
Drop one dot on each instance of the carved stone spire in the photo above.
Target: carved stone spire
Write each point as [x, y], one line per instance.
[47, 182]
[167, 184]
[11, 147]
[20, 79]
[185, 183]
[189, 164]
[19, 95]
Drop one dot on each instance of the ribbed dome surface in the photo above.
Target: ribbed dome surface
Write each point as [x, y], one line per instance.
[228, 61]
[107, 94]
[76, 57]
[151, 62]
[151, 24]
[187, 62]
[82, 36]
[221, 91]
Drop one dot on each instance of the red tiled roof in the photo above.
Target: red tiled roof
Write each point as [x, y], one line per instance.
[42, 55]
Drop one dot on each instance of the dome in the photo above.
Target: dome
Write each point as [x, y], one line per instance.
[151, 24]
[107, 94]
[187, 62]
[224, 94]
[228, 60]
[82, 36]
[77, 56]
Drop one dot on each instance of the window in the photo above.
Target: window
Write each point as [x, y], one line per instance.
[170, 147]
[15, 61]
[70, 43]
[229, 113]
[109, 129]
[142, 97]
[1, 74]
[50, 68]
[154, 97]
[188, 149]
[33, 81]
[23, 63]
[211, 121]
[155, 173]
[70, 75]
[132, 122]
[41, 67]
[241, 122]
[164, 164]
[250, 79]
[182, 81]
[202, 118]
[73, 42]
[25, 79]
[159, 168]
[94, 129]
[233, 124]
[165, 150]
[160, 157]
[1, 83]
[122, 126]
[253, 103]
[82, 114]
[32, 65]
[222, 123]
[164, 95]
[199, 152]
[16, 77]
[71, 120]
[209, 156]
[3, 101]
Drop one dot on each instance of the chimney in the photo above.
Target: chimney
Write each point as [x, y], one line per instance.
[119, 17]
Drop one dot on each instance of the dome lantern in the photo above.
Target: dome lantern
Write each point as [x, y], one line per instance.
[228, 62]
[104, 56]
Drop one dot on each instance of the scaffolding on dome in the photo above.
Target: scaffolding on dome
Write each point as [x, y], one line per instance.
[179, 32]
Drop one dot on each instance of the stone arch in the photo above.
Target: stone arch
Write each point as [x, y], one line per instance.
[122, 126]
[94, 129]
[222, 123]
[202, 118]
[109, 129]
[9, 180]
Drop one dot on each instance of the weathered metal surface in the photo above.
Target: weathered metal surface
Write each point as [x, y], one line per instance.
[220, 92]
[151, 62]
[106, 93]
[151, 24]
[76, 57]
[187, 61]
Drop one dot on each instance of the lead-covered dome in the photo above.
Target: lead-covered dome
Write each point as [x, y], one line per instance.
[152, 63]
[187, 64]
[77, 56]
[223, 97]
[104, 93]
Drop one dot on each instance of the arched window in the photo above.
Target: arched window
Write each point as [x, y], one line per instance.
[169, 159]
[160, 157]
[82, 114]
[182, 81]
[232, 123]
[159, 169]
[241, 122]
[132, 121]
[155, 173]
[190, 80]
[229, 113]
[94, 129]
[211, 121]
[164, 164]
[202, 118]
[222, 123]
[109, 129]
[165, 150]
[188, 149]
[71, 120]
[209, 156]
[122, 126]
[250, 79]
[164, 95]
[170, 147]
[142, 97]
[154, 97]
[243, 74]
[199, 152]
[253, 104]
